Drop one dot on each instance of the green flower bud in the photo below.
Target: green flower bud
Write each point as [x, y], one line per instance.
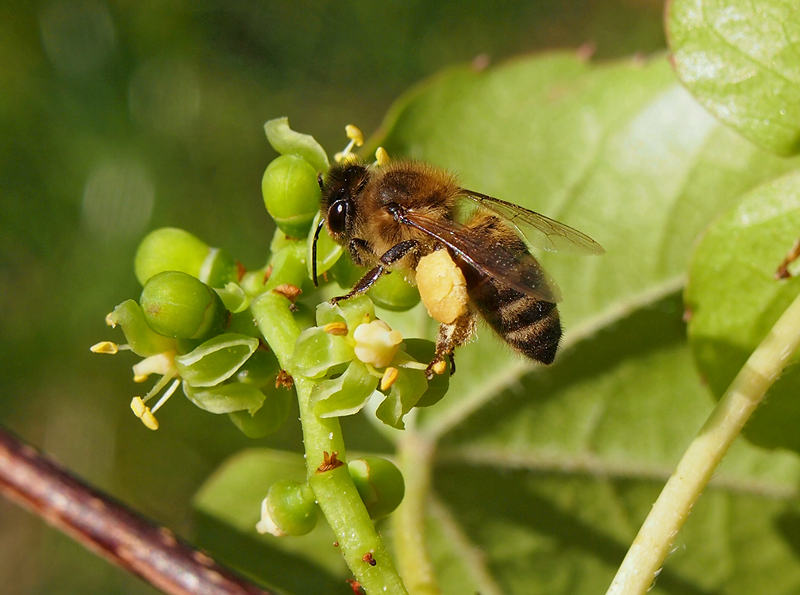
[289, 509]
[269, 418]
[379, 483]
[173, 249]
[177, 305]
[394, 292]
[291, 194]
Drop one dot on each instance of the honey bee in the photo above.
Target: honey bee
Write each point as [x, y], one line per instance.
[391, 216]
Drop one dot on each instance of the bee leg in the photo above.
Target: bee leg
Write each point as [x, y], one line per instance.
[449, 337]
[363, 284]
[389, 257]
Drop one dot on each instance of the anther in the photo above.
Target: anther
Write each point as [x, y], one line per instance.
[335, 328]
[108, 347]
[389, 377]
[381, 156]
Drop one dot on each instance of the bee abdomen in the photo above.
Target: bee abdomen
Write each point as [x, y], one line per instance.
[529, 325]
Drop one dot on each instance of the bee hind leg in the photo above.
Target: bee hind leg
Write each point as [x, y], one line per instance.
[449, 337]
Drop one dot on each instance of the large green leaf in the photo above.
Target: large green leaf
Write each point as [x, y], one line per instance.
[741, 60]
[541, 476]
[735, 299]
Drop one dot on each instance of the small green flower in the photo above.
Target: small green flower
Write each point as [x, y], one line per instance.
[355, 358]
[220, 375]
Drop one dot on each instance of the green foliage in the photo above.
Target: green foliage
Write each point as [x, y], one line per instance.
[734, 298]
[541, 475]
[740, 60]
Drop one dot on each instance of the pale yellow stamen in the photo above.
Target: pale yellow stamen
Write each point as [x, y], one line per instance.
[354, 133]
[356, 140]
[167, 394]
[108, 347]
[143, 412]
[138, 407]
[139, 378]
[335, 328]
[381, 156]
[389, 377]
[110, 320]
[160, 363]
[149, 420]
[345, 157]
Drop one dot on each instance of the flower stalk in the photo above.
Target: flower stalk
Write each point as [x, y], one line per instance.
[654, 540]
[334, 489]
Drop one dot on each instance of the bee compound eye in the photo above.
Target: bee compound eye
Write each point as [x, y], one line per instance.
[337, 216]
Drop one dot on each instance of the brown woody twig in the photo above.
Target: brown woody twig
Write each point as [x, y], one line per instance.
[107, 528]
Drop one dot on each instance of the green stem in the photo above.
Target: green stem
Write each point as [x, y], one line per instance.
[408, 521]
[648, 550]
[334, 489]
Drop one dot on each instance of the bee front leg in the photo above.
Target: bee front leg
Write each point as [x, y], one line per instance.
[449, 337]
[389, 257]
[363, 284]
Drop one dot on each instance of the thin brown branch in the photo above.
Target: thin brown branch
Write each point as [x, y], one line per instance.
[107, 528]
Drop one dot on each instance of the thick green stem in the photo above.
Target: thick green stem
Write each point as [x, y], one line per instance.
[647, 553]
[408, 521]
[338, 498]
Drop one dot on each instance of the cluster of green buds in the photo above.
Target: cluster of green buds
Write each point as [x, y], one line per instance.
[191, 328]
[236, 340]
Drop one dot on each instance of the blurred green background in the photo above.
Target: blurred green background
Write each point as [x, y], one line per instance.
[119, 117]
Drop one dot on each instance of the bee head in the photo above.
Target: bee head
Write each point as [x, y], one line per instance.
[340, 189]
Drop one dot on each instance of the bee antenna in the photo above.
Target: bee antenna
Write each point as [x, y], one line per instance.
[314, 252]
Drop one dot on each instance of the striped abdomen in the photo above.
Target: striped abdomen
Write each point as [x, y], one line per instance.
[529, 325]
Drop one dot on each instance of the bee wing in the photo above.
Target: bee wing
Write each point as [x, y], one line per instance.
[516, 269]
[540, 231]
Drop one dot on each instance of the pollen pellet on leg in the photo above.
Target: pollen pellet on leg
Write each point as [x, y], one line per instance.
[439, 367]
[442, 286]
